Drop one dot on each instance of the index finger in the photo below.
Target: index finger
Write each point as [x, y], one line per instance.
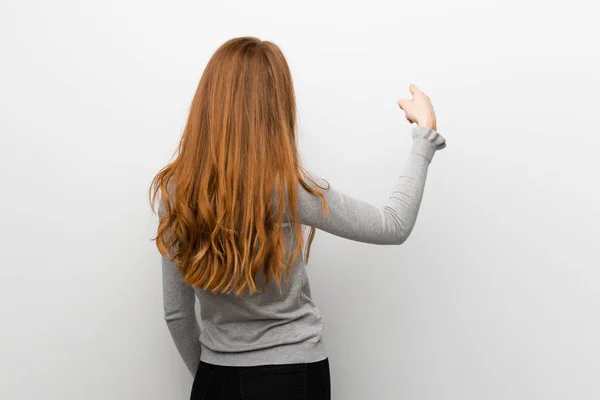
[413, 89]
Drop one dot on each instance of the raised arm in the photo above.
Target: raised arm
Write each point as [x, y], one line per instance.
[358, 220]
[179, 302]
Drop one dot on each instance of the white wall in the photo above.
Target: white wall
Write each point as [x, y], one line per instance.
[494, 296]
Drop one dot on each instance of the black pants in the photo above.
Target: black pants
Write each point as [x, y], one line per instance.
[304, 381]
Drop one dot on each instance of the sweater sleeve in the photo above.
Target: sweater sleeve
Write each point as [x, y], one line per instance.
[179, 301]
[358, 220]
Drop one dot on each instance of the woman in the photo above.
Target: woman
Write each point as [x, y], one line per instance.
[232, 209]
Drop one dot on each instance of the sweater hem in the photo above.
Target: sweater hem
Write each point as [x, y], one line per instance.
[304, 352]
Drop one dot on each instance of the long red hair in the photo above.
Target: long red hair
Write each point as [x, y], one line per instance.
[218, 219]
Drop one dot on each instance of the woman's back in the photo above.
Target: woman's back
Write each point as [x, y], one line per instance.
[283, 325]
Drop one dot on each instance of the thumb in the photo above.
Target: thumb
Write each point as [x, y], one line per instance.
[403, 103]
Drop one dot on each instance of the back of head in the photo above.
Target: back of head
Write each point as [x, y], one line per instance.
[237, 153]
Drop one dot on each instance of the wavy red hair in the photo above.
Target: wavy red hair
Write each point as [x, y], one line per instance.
[220, 210]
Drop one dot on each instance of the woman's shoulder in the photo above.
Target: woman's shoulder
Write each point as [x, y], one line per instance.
[314, 179]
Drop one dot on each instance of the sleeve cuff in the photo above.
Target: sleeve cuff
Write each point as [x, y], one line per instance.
[426, 141]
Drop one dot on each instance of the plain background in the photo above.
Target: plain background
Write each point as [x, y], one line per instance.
[494, 296]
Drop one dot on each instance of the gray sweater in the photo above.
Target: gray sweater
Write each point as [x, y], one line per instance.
[270, 328]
